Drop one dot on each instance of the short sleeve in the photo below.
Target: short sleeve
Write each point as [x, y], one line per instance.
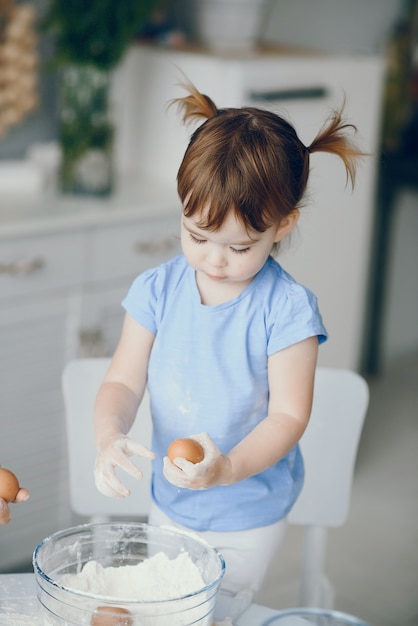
[298, 318]
[141, 300]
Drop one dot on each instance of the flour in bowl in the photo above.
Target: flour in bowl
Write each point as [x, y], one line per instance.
[155, 579]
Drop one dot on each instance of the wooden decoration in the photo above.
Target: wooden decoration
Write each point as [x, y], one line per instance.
[18, 63]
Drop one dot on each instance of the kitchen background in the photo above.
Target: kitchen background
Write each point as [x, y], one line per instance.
[65, 263]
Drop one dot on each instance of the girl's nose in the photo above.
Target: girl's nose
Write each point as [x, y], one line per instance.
[216, 256]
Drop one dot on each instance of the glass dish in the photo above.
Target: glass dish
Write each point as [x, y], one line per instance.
[116, 545]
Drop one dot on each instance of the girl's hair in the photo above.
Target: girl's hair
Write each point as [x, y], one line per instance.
[251, 161]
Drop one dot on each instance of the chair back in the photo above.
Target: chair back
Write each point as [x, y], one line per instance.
[329, 447]
[81, 380]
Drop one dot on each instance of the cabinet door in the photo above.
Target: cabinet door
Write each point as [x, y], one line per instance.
[37, 336]
[118, 254]
[34, 265]
[102, 320]
[125, 250]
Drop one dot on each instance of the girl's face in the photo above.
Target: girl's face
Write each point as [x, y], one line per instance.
[230, 254]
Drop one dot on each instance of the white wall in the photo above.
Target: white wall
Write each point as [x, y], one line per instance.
[335, 25]
[339, 25]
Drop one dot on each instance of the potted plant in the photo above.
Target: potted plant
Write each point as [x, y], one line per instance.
[90, 39]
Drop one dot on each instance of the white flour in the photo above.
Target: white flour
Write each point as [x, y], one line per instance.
[14, 619]
[156, 578]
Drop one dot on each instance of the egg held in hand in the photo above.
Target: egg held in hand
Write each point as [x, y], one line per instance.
[9, 485]
[185, 448]
[111, 616]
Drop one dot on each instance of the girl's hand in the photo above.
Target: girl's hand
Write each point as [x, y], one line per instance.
[116, 453]
[214, 470]
[22, 496]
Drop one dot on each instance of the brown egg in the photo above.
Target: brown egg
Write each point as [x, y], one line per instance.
[9, 485]
[111, 616]
[188, 449]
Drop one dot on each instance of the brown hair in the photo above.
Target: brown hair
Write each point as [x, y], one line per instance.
[251, 161]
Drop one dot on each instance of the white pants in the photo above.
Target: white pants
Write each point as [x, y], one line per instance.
[247, 553]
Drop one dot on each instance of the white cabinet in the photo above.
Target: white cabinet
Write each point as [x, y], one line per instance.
[39, 307]
[34, 337]
[34, 265]
[61, 284]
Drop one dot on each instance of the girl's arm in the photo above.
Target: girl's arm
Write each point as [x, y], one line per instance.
[291, 375]
[116, 405]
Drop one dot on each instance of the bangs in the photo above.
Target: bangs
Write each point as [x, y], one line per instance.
[212, 209]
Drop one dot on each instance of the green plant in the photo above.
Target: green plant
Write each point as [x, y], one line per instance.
[85, 129]
[95, 32]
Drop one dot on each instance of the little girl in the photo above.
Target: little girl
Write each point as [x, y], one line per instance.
[225, 340]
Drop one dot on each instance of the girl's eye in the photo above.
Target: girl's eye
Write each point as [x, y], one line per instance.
[195, 239]
[241, 251]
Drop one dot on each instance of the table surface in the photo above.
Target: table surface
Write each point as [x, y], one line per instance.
[18, 596]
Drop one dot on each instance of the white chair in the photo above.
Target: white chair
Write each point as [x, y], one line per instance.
[81, 380]
[329, 448]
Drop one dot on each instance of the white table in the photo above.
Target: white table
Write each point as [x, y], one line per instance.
[18, 594]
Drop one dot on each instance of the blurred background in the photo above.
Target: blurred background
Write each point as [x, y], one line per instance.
[88, 160]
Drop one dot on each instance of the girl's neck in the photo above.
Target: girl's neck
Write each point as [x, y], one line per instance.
[212, 293]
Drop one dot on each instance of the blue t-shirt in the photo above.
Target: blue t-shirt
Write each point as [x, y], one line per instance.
[208, 373]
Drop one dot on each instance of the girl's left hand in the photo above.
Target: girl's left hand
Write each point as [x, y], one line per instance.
[214, 470]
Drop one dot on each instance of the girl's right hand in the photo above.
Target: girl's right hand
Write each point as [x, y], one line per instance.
[114, 454]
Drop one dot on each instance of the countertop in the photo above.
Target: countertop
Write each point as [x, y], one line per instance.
[18, 604]
[25, 214]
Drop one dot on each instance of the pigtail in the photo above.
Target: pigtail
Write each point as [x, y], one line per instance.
[333, 138]
[195, 106]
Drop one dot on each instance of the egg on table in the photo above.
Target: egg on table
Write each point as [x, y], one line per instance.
[185, 448]
[111, 616]
[9, 485]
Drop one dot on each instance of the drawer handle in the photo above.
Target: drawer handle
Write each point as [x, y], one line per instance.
[154, 247]
[22, 268]
[302, 93]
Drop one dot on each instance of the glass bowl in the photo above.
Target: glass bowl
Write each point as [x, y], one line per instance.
[116, 545]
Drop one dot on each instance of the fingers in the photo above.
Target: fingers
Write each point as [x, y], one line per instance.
[183, 473]
[117, 454]
[118, 458]
[109, 484]
[176, 475]
[22, 495]
[133, 448]
[4, 513]
[210, 448]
